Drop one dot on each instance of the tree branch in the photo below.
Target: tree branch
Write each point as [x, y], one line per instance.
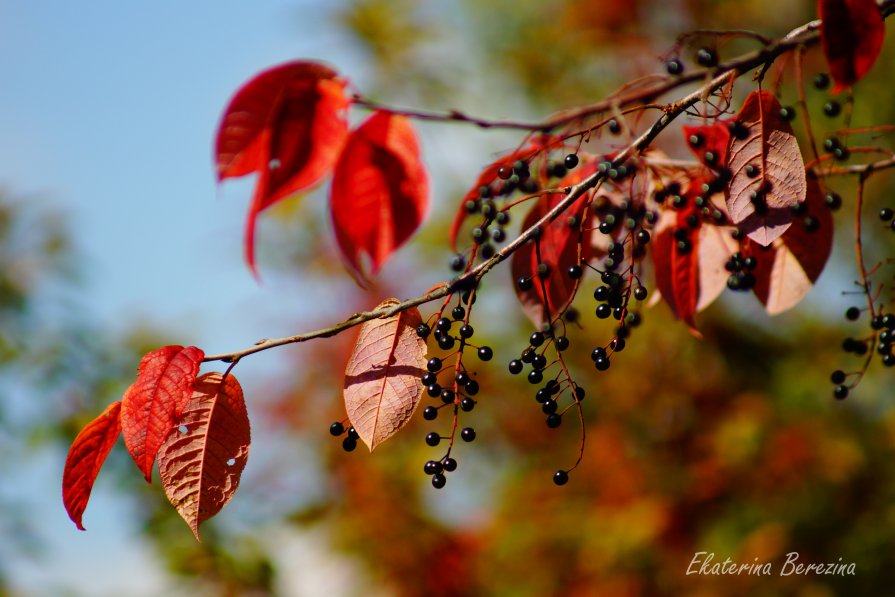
[806, 35]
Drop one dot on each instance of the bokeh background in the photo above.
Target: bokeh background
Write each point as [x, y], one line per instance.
[114, 239]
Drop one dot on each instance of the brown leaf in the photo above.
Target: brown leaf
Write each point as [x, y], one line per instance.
[787, 272]
[202, 460]
[382, 386]
[779, 184]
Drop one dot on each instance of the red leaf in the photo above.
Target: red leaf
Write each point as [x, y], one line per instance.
[153, 403]
[560, 246]
[201, 463]
[85, 458]
[288, 124]
[489, 176]
[690, 280]
[382, 387]
[380, 191]
[711, 139]
[779, 183]
[787, 271]
[852, 35]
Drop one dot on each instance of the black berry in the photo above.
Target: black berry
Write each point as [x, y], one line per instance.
[570, 161]
[560, 477]
[515, 366]
[430, 413]
[467, 434]
[457, 263]
[336, 429]
[485, 353]
[706, 57]
[433, 439]
[787, 113]
[833, 200]
[821, 81]
[674, 67]
[438, 481]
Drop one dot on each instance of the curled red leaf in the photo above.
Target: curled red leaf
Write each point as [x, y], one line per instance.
[201, 462]
[287, 124]
[851, 33]
[380, 192]
[559, 246]
[382, 387]
[153, 403]
[768, 175]
[689, 260]
[85, 458]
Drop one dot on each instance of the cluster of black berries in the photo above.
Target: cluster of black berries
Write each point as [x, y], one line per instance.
[884, 323]
[611, 296]
[672, 195]
[460, 396]
[834, 147]
[741, 268]
[349, 442]
[447, 464]
[883, 326]
[831, 108]
[621, 220]
[438, 468]
[485, 234]
[531, 356]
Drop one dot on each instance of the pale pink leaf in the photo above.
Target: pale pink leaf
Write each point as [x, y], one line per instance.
[771, 148]
[382, 380]
[787, 270]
